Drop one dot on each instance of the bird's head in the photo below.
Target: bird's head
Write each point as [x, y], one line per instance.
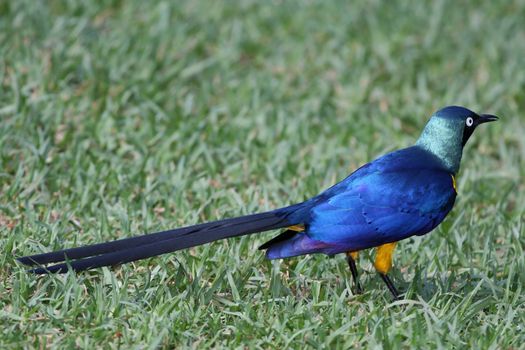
[448, 130]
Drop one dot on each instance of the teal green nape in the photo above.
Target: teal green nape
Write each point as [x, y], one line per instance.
[443, 135]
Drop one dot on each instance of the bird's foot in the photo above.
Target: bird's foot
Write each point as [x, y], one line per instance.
[355, 277]
[395, 294]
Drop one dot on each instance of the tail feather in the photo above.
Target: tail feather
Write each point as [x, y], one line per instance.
[136, 248]
[286, 235]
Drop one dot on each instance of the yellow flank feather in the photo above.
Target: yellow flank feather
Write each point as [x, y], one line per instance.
[297, 228]
[383, 262]
[454, 183]
[354, 255]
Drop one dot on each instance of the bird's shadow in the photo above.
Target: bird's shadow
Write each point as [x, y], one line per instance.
[474, 286]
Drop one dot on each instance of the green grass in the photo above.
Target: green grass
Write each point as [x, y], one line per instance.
[126, 117]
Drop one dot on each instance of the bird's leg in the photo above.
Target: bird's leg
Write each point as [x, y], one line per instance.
[383, 264]
[351, 257]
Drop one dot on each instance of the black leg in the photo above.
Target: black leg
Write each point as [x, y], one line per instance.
[390, 285]
[355, 277]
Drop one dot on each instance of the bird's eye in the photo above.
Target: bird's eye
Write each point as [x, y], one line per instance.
[469, 121]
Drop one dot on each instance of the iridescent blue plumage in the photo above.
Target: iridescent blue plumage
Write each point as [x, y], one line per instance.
[404, 193]
[401, 194]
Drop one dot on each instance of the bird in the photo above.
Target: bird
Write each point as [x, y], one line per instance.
[404, 193]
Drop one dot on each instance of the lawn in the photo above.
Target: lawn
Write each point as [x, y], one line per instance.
[124, 117]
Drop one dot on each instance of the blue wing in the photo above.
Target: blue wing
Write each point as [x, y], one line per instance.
[384, 208]
[402, 194]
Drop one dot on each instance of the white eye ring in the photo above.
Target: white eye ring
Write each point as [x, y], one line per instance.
[469, 121]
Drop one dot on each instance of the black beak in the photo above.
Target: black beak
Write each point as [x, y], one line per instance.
[485, 118]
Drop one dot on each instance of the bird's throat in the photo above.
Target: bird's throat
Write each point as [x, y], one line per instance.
[443, 139]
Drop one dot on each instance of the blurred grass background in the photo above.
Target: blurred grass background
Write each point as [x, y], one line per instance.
[124, 117]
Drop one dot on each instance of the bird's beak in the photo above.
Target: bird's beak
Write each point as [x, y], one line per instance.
[485, 118]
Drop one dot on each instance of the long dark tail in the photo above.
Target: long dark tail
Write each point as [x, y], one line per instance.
[141, 247]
